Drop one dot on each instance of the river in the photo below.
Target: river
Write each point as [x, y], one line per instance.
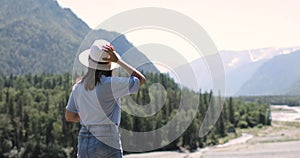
[281, 140]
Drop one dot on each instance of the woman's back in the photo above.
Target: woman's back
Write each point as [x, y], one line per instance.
[102, 104]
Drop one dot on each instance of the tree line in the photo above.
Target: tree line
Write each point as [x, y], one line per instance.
[290, 100]
[32, 122]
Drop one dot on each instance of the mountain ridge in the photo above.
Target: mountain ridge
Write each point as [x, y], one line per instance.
[39, 36]
[278, 76]
[235, 76]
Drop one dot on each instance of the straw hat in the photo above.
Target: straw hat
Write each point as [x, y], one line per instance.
[93, 56]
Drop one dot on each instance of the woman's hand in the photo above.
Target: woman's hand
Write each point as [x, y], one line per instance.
[71, 116]
[113, 55]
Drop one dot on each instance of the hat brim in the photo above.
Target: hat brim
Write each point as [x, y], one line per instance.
[83, 58]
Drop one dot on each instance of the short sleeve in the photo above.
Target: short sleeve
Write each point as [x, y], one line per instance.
[71, 104]
[124, 86]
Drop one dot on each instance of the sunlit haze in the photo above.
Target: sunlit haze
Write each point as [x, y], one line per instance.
[232, 24]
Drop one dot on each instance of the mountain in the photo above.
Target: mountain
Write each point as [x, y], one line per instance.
[239, 67]
[38, 36]
[278, 76]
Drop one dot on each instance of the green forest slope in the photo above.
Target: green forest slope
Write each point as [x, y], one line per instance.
[32, 120]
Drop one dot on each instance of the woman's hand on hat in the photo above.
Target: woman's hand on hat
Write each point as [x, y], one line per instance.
[113, 55]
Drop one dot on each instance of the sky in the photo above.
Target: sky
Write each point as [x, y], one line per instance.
[232, 24]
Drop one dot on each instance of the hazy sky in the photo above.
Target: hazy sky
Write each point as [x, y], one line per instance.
[232, 24]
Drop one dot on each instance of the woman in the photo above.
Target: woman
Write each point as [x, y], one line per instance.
[95, 101]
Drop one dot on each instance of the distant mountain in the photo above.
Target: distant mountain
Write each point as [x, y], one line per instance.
[277, 76]
[239, 68]
[38, 36]
[241, 65]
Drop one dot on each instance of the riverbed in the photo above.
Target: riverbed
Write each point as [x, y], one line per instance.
[281, 140]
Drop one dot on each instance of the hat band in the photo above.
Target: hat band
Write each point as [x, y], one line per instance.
[98, 62]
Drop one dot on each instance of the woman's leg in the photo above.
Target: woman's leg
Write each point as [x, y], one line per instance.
[83, 141]
[116, 154]
[99, 149]
[82, 147]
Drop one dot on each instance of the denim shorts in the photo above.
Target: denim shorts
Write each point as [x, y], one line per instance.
[101, 141]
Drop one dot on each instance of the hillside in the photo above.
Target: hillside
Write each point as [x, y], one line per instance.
[279, 75]
[240, 66]
[32, 116]
[38, 36]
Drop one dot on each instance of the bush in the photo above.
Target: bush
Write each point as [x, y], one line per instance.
[260, 125]
[243, 124]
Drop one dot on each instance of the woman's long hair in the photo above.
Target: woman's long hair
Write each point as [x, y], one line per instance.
[92, 77]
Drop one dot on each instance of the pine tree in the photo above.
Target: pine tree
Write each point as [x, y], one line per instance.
[221, 125]
[231, 112]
